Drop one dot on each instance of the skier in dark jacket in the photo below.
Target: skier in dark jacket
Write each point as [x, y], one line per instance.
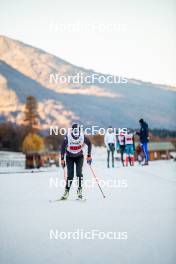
[72, 146]
[144, 139]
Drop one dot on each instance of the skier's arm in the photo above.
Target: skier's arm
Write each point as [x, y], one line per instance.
[106, 141]
[115, 139]
[63, 147]
[89, 145]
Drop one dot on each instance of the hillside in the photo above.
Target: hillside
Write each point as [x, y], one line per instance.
[25, 70]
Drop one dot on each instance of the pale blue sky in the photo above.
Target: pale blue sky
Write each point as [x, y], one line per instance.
[144, 49]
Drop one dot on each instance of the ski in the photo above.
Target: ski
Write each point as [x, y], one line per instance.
[80, 200]
[71, 200]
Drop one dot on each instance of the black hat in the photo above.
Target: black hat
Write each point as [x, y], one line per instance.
[75, 125]
[75, 130]
[141, 120]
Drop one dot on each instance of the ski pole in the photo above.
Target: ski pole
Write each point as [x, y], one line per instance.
[65, 174]
[97, 181]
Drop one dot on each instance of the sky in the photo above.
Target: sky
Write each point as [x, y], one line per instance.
[131, 38]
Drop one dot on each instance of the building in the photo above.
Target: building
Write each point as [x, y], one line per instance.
[41, 159]
[9, 159]
[160, 150]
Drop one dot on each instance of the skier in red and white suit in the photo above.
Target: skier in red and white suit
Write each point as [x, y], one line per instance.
[72, 146]
[129, 148]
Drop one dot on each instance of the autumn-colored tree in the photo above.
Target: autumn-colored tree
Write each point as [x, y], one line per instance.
[33, 143]
[31, 112]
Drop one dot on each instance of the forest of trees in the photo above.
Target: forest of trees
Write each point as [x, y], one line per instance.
[28, 137]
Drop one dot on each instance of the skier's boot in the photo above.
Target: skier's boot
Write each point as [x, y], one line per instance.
[65, 195]
[145, 163]
[123, 163]
[108, 165]
[79, 193]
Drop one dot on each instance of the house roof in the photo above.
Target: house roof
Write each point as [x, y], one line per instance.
[11, 154]
[42, 152]
[160, 146]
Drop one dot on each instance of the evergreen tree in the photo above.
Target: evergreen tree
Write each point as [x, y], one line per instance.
[31, 112]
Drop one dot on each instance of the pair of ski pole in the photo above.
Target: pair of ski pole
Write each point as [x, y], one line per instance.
[94, 175]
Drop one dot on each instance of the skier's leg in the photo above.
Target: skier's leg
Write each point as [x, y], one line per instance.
[126, 160]
[70, 172]
[70, 175]
[127, 154]
[79, 164]
[121, 154]
[147, 153]
[112, 152]
[122, 149]
[145, 150]
[108, 154]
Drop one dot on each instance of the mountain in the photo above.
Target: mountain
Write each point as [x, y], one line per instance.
[25, 70]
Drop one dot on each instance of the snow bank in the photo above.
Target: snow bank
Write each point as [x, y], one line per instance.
[144, 208]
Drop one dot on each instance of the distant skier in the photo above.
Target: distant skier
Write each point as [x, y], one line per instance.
[110, 143]
[72, 146]
[144, 139]
[121, 143]
[129, 148]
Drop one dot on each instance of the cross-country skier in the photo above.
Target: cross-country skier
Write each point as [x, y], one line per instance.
[121, 142]
[72, 146]
[129, 148]
[144, 139]
[110, 143]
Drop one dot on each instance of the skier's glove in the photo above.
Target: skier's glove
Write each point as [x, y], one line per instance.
[89, 159]
[63, 163]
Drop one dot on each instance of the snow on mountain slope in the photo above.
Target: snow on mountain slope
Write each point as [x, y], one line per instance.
[146, 210]
[27, 70]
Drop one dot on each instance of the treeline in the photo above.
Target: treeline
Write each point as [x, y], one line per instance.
[13, 136]
[163, 133]
[29, 138]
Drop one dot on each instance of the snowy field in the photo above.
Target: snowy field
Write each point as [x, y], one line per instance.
[141, 204]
